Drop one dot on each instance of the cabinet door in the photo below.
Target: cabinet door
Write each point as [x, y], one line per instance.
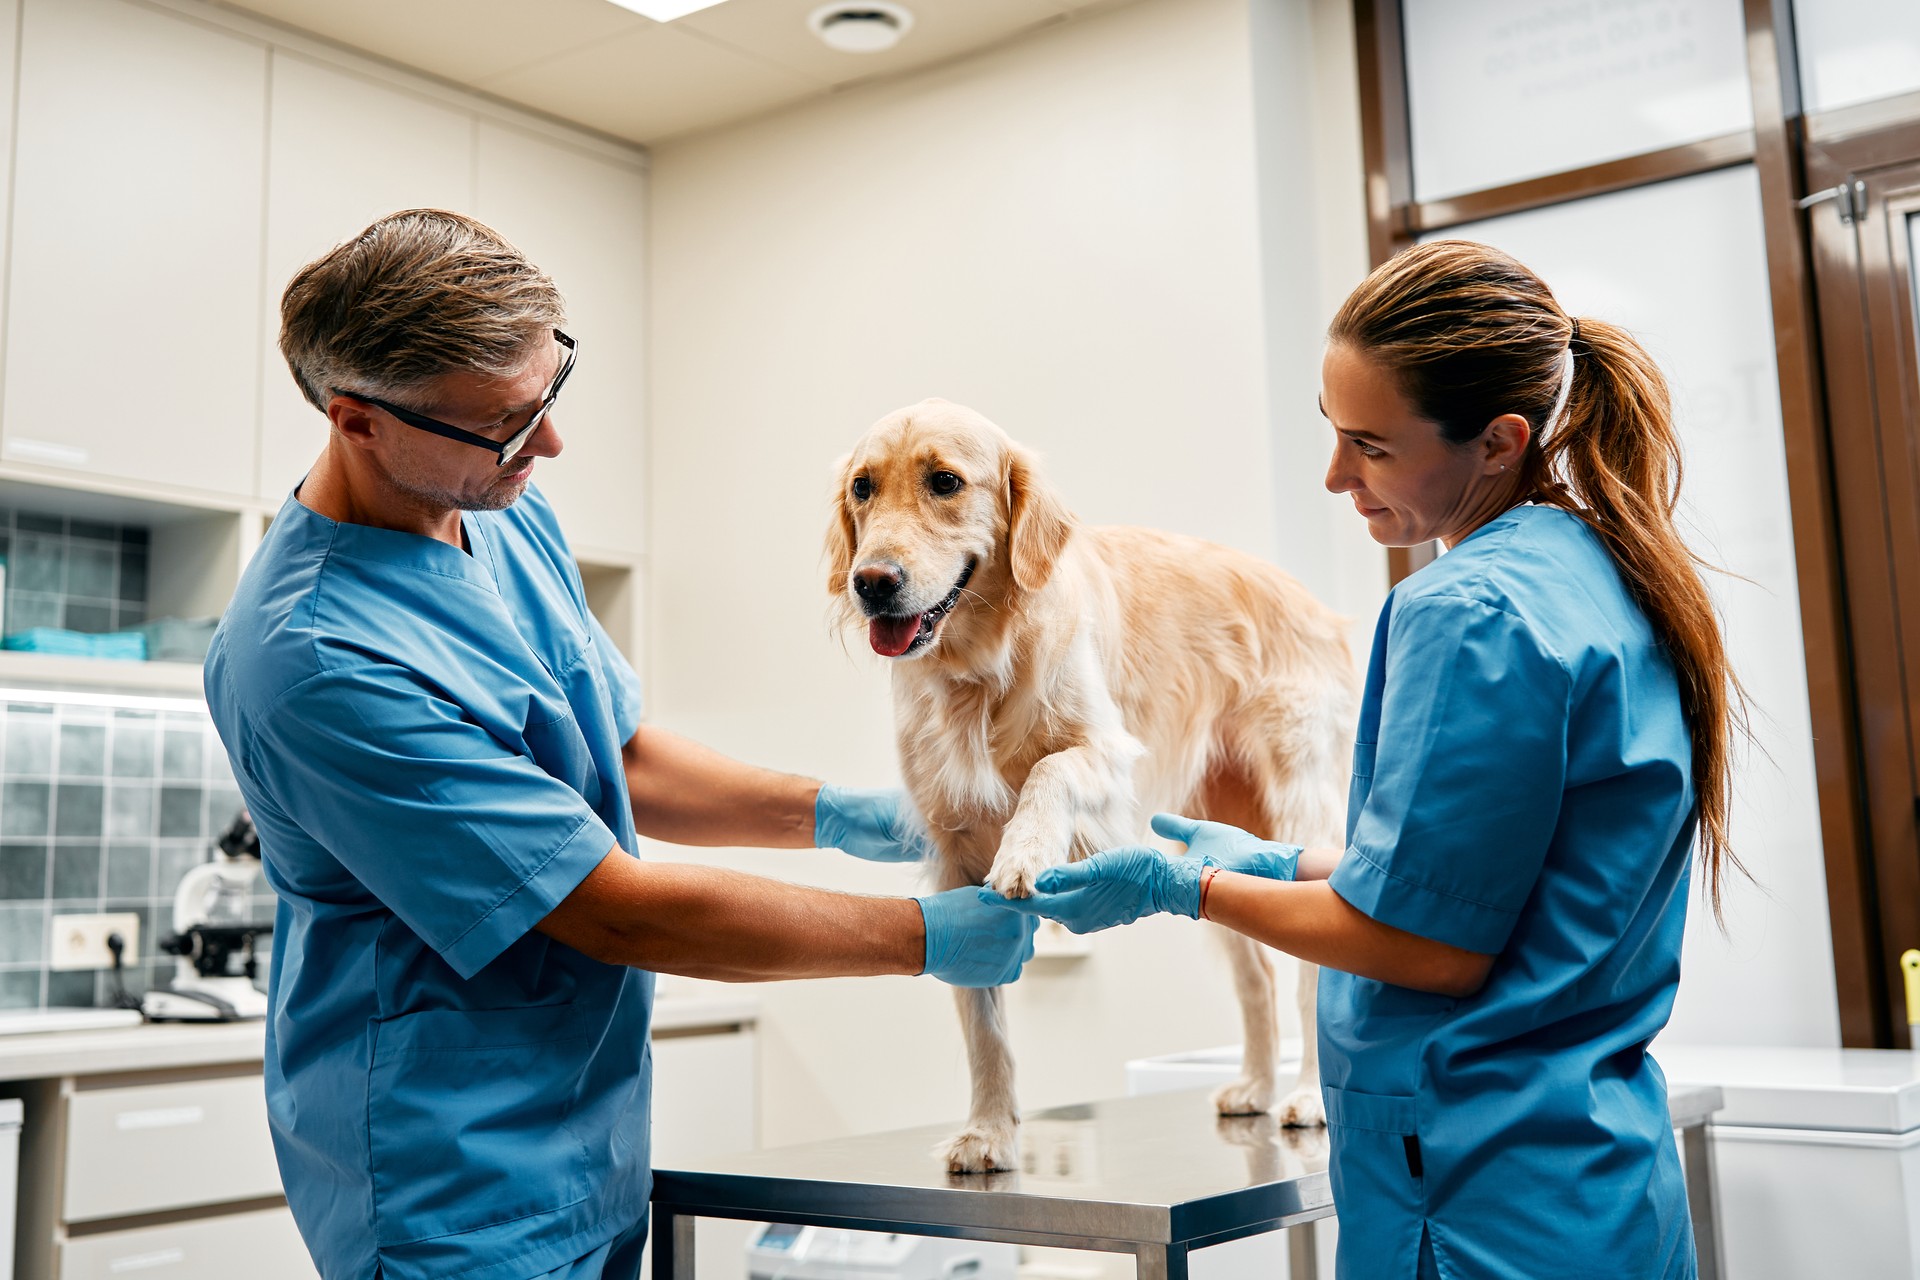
[133, 308]
[580, 218]
[9, 68]
[343, 151]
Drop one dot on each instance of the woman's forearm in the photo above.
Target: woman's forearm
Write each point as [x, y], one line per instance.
[1317, 864]
[1309, 920]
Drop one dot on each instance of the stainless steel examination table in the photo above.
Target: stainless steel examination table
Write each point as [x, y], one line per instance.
[1157, 1176]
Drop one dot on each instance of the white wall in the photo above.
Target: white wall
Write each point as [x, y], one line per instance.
[1100, 237]
[1313, 236]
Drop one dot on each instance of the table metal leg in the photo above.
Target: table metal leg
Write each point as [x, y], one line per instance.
[1303, 1252]
[1696, 1146]
[672, 1244]
[1161, 1262]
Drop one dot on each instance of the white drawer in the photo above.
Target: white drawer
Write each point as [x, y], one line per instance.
[167, 1146]
[262, 1245]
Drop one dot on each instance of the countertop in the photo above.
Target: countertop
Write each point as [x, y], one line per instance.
[158, 1046]
[1849, 1090]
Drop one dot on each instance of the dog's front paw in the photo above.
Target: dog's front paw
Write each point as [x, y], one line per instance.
[1016, 866]
[1303, 1109]
[1246, 1096]
[982, 1148]
[1011, 878]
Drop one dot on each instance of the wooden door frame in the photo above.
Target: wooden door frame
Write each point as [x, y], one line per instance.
[1862, 983]
[1868, 452]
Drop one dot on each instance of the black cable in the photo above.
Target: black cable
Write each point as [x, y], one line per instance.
[121, 1000]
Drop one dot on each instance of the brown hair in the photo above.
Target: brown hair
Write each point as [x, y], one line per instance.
[1470, 334]
[420, 293]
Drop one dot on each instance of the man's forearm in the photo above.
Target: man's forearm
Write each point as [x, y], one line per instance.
[685, 793]
[706, 922]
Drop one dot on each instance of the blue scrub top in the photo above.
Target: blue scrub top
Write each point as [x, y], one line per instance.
[430, 744]
[1521, 788]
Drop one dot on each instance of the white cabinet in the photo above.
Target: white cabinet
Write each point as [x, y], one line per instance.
[263, 1243]
[169, 1172]
[706, 1088]
[580, 218]
[173, 165]
[9, 68]
[134, 305]
[343, 150]
[706, 1091]
[118, 1138]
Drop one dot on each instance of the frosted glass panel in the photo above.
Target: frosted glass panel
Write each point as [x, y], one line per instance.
[1913, 274]
[1856, 50]
[1503, 90]
[1681, 264]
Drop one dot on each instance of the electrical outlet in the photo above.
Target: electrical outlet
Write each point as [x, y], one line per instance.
[80, 942]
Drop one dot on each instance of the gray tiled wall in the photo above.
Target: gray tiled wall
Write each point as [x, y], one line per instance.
[101, 809]
[79, 574]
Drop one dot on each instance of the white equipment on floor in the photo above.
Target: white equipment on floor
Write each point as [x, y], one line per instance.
[1818, 1155]
[214, 932]
[784, 1251]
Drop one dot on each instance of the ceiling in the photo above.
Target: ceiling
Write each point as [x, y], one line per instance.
[596, 64]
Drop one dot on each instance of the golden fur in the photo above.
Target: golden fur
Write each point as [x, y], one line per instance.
[1087, 678]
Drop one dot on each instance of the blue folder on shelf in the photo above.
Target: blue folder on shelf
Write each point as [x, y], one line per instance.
[126, 645]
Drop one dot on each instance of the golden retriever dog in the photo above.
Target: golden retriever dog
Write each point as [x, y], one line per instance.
[1055, 684]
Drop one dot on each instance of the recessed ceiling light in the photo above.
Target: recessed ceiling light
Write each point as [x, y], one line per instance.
[854, 27]
[665, 10]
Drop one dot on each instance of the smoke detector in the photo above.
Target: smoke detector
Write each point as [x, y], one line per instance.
[854, 27]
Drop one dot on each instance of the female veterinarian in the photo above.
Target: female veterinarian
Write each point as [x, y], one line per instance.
[1545, 725]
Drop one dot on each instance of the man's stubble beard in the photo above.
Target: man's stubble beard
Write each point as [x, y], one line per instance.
[423, 489]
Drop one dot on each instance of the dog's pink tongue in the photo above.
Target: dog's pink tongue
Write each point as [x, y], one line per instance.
[891, 636]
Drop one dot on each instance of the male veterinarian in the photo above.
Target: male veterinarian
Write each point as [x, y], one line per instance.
[443, 754]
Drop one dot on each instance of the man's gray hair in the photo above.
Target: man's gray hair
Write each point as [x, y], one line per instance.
[418, 294]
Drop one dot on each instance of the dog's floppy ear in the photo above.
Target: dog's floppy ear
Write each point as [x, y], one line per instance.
[840, 537]
[1038, 526]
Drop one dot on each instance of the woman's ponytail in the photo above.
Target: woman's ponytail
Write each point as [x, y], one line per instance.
[1615, 462]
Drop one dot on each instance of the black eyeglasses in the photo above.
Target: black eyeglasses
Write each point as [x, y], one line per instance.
[506, 449]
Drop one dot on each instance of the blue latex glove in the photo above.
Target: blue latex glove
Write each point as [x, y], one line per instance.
[868, 822]
[1230, 848]
[973, 944]
[1115, 886]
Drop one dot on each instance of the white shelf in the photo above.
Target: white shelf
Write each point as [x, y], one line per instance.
[54, 672]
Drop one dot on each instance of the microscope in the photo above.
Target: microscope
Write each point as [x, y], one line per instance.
[215, 937]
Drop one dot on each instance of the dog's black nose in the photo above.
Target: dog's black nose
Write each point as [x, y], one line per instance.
[877, 584]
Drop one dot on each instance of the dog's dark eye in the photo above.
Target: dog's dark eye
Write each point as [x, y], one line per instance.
[944, 483]
[862, 488]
